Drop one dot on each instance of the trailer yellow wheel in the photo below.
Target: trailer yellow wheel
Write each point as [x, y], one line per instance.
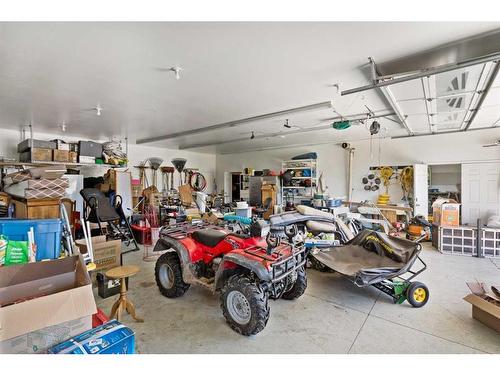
[417, 294]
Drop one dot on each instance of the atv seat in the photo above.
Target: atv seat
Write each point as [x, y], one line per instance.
[208, 237]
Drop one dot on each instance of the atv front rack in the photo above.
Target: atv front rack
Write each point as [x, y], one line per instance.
[281, 264]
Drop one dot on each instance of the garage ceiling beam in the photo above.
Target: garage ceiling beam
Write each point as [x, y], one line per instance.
[464, 49]
[441, 132]
[425, 73]
[232, 124]
[388, 95]
[356, 117]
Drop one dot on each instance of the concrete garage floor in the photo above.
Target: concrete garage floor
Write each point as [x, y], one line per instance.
[333, 316]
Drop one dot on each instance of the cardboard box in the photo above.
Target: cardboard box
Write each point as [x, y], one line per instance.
[446, 212]
[60, 155]
[73, 157]
[485, 310]
[106, 253]
[44, 302]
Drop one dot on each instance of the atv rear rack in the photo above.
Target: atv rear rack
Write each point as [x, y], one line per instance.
[183, 230]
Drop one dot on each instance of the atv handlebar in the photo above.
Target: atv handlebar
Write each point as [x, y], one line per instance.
[291, 231]
[272, 241]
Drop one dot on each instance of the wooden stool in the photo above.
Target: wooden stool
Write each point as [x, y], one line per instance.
[123, 302]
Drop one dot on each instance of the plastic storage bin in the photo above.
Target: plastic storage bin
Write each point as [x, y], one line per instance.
[47, 234]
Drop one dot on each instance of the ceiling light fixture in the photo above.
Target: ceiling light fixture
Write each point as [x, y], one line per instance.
[177, 71]
[98, 109]
[252, 136]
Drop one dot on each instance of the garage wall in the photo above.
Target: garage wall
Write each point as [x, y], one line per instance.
[136, 153]
[437, 149]
[332, 160]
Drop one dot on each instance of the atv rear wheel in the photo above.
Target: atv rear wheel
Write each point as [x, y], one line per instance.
[299, 287]
[168, 274]
[244, 305]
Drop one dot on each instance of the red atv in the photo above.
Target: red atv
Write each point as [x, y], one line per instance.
[247, 269]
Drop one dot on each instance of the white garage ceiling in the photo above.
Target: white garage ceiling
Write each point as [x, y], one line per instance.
[57, 72]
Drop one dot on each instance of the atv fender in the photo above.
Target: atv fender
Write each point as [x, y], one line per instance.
[230, 260]
[171, 245]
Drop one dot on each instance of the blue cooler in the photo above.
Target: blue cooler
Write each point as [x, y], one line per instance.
[48, 234]
[110, 338]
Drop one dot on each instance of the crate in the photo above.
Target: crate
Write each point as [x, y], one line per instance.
[36, 208]
[47, 235]
[36, 154]
[89, 148]
[490, 239]
[462, 240]
[73, 157]
[30, 143]
[60, 155]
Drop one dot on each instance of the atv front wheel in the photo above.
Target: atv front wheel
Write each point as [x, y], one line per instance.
[244, 305]
[299, 287]
[168, 274]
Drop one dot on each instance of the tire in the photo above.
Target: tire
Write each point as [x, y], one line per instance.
[244, 305]
[299, 287]
[417, 294]
[168, 275]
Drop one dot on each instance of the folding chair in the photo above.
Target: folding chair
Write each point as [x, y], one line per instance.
[98, 209]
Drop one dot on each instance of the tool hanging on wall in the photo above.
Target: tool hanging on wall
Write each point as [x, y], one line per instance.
[155, 164]
[179, 164]
[371, 182]
[168, 179]
[406, 179]
[386, 174]
[143, 178]
[195, 179]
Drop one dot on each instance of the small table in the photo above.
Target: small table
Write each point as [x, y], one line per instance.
[123, 303]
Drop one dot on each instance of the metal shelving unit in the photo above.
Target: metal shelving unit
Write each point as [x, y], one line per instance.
[299, 191]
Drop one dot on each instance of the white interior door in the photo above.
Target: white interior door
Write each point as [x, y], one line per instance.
[480, 192]
[420, 190]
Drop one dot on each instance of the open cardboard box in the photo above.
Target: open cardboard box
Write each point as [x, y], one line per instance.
[485, 306]
[106, 253]
[36, 296]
